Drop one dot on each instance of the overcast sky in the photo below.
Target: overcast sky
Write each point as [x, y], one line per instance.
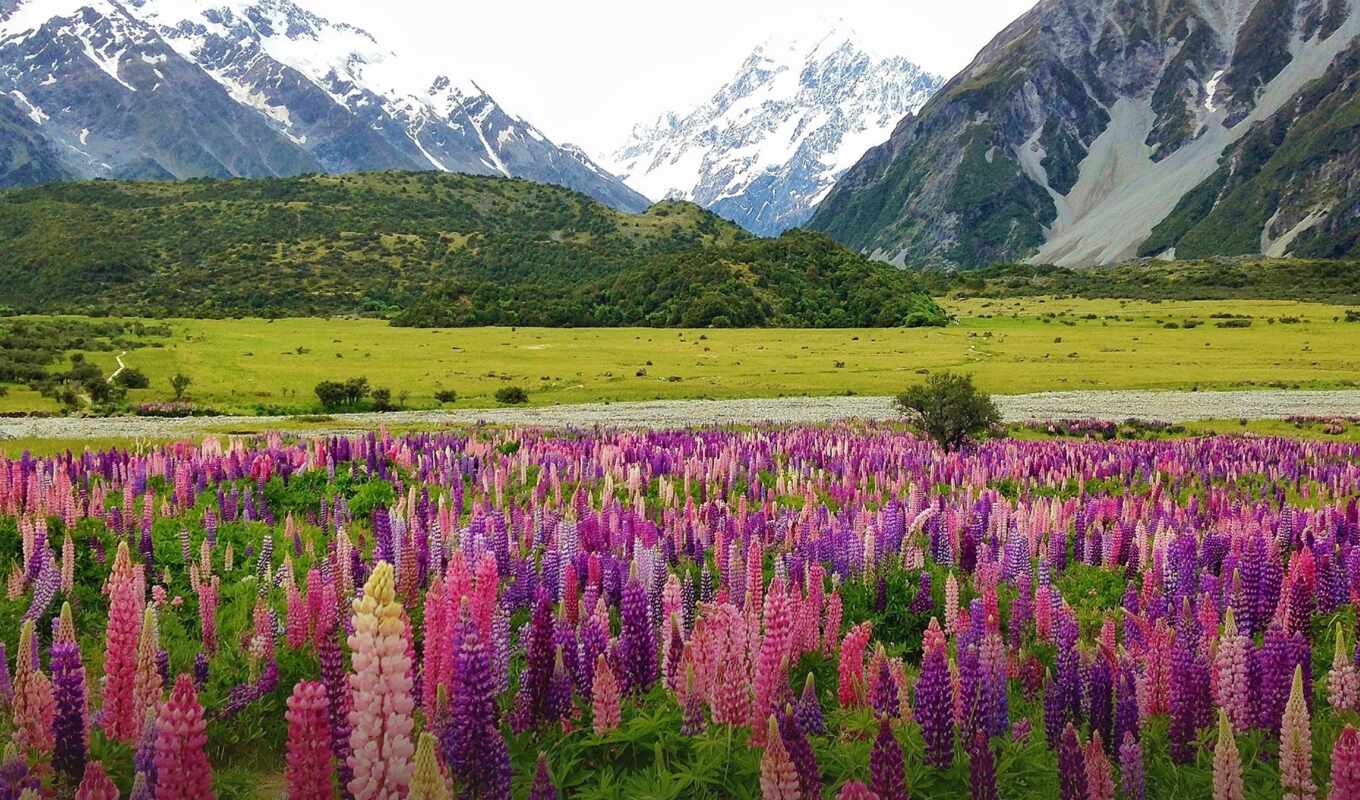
[584, 72]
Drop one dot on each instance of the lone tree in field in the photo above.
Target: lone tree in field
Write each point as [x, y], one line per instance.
[949, 409]
[179, 384]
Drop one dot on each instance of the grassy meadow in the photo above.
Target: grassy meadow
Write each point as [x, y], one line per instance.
[1010, 346]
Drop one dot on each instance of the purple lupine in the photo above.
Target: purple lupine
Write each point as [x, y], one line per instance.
[200, 670]
[144, 758]
[800, 753]
[543, 788]
[970, 690]
[70, 726]
[559, 690]
[1100, 698]
[1131, 768]
[1126, 704]
[808, 710]
[982, 768]
[1068, 675]
[923, 602]
[471, 741]
[1273, 665]
[6, 682]
[637, 657]
[887, 765]
[1071, 766]
[336, 679]
[883, 694]
[531, 705]
[934, 708]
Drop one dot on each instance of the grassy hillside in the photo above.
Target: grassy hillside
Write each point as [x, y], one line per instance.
[496, 251]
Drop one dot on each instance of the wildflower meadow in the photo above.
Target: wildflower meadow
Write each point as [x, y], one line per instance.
[783, 613]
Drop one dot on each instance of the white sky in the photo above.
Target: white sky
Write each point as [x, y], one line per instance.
[585, 72]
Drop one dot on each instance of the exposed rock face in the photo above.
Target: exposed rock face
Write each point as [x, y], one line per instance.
[1089, 131]
[772, 141]
[163, 88]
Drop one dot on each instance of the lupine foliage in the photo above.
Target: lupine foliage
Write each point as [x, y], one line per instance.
[776, 612]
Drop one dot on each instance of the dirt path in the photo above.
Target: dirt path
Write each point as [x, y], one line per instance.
[1117, 405]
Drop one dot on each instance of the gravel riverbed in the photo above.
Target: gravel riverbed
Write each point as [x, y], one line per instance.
[1170, 406]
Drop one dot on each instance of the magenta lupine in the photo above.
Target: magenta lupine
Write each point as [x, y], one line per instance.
[1099, 778]
[887, 765]
[96, 784]
[543, 788]
[182, 769]
[854, 790]
[309, 748]
[121, 719]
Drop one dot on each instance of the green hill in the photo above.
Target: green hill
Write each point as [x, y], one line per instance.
[426, 249]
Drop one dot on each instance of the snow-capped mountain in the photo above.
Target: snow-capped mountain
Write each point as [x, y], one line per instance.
[162, 88]
[1092, 131]
[771, 142]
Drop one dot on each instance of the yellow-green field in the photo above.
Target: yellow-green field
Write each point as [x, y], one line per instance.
[1028, 345]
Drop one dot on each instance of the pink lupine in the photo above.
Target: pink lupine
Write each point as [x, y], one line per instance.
[96, 784]
[39, 711]
[771, 668]
[1099, 775]
[381, 688]
[831, 626]
[146, 683]
[1227, 762]
[1343, 681]
[295, 620]
[854, 790]
[604, 698]
[1296, 745]
[121, 718]
[182, 769]
[853, 690]
[778, 777]
[1345, 766]
[309, 742]
[1231, 675]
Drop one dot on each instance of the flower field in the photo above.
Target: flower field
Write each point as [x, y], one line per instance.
[783, 613]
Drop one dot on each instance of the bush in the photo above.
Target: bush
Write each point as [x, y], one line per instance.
[512, 396]
[132, 378]
[382, 400]
[949, 409]
[445, 396]
[179, 384]
[334, 394]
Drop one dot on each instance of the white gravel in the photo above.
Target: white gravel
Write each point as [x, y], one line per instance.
[1116, 405]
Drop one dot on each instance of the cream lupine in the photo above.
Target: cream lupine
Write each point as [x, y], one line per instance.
[427, 783]
[1296, 745]
[146, 686]
[1227, 762]
[380, 684]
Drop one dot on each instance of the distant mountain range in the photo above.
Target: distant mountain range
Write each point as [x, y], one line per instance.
[1092, 131]
[220, 88]
[770, 142]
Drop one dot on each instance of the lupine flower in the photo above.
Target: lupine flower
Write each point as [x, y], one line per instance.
[778, 778]
[808, 710]
[1232, 668]
[852, 689]
[1345, 766]
[309, 750]
[1227, 763]
[96, 785]
[146, 684]
[604, 698]
[182, 768]
[982, 768]
[1343, 682]
[471, 742]
[71, 726]
[1296, 745]
[121, 719]
[543, 788]
[380, 736]
[1099, 780]
[1071, 766]
[427, 782]
[854, 790]
[39, 711]
[887, 765]
[933, 712]
[800, 753]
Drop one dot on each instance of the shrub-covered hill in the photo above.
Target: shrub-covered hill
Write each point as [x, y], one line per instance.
[495, 251]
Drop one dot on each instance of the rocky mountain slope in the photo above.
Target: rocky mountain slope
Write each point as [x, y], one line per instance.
[770, 143]
[1090, 131]
[169, 88]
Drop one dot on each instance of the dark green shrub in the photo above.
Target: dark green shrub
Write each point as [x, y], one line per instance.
[949, 409]
[511, 396]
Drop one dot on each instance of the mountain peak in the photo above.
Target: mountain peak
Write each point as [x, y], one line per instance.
[770, 142]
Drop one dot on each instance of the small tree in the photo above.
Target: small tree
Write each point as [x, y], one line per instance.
[332, 394]
[132, 378]
[382, 400]
[949, 409]
[512, 395]
[179, 384]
